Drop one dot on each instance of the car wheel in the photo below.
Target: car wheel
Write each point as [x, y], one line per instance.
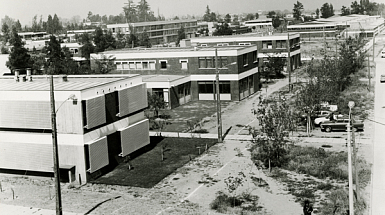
[328, 129]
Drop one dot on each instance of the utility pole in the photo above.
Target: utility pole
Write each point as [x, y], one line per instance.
[289, 60]
[355, 149]
[369, 73]
[374, 43]
[219, 120]
[351, 200]
[55, 151]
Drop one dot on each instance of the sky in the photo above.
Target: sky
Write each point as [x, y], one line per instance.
[24, 10]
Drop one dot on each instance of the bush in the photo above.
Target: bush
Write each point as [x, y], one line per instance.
[201, 131]
[4, 50]
[235, 205]
[325, 186]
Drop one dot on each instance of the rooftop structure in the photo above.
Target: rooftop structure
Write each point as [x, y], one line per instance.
[159, 31]
[100, 120]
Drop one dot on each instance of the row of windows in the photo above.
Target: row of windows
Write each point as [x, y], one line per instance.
[210, 87]
[209, 62]
[146, 65]
[311, 28]
[226, 44]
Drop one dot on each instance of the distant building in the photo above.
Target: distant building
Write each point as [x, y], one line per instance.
[268, 46]
[159, 32]
[75, 49]
[350, 25]
[33, 35]
[100, 120]
[259, 23]
[238, 71]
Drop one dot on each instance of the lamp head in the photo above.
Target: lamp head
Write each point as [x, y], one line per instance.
[351, 104]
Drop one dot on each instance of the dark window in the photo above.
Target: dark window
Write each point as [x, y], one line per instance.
[202, 62]
[206, 87]
[224, 87]
[245, 60]
[210, 62]
[163, 65]
[255, 57]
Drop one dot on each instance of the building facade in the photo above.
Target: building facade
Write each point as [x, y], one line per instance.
[268, 46]
[159, 32]
[238, 70]
[100, 120]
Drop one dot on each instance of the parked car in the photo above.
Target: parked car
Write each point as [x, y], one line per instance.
[341, 125]
[382, 78]
[316, 114]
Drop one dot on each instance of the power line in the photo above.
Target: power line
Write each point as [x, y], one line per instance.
[376, 122]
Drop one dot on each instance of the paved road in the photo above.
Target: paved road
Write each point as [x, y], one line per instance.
[378, 181]
[240, 113]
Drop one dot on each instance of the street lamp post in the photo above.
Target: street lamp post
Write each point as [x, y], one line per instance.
[219, 120]
[351, 201]
[55, 151]
[217, 93]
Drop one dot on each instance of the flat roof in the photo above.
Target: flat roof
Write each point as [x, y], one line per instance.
[173, 49]
[135, 24]
[162, 78]
[73, 83]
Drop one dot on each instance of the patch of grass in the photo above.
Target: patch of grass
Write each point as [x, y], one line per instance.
[325, 186]
[241, 204]
[149, 169]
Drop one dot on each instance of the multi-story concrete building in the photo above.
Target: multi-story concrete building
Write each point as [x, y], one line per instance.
[100, 119]
[268, 46]
[160, 31]
[238, 70]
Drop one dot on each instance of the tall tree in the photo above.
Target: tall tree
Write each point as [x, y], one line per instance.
[143, 10]
[6, 32]
[56, 25]
[356, 8]
[35, 25]
[54, 56]
[19, 57]
[130, 12]
[297, 10]
[227, 18]
[209, 16]
[317, 13]
[49, 28]
[18, 26]
[181, 35]
[325, 11]
[87, 46]
[99, 40]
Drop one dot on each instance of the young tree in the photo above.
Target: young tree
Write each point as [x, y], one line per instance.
[270, 14]
[256, 15]
[276, 22]
[145, 40]
[297, 10]
[105, 64]
[345, 11]
[181, 35]
[110, 41]
[276, 120]
[155, 103]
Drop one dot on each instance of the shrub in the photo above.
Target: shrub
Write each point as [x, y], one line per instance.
[325, 186]
[201, 131]
[4, 50]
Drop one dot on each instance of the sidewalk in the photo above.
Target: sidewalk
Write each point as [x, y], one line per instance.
[20, 210]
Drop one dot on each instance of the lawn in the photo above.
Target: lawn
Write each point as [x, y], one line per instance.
[148, 167]
[194, 111]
